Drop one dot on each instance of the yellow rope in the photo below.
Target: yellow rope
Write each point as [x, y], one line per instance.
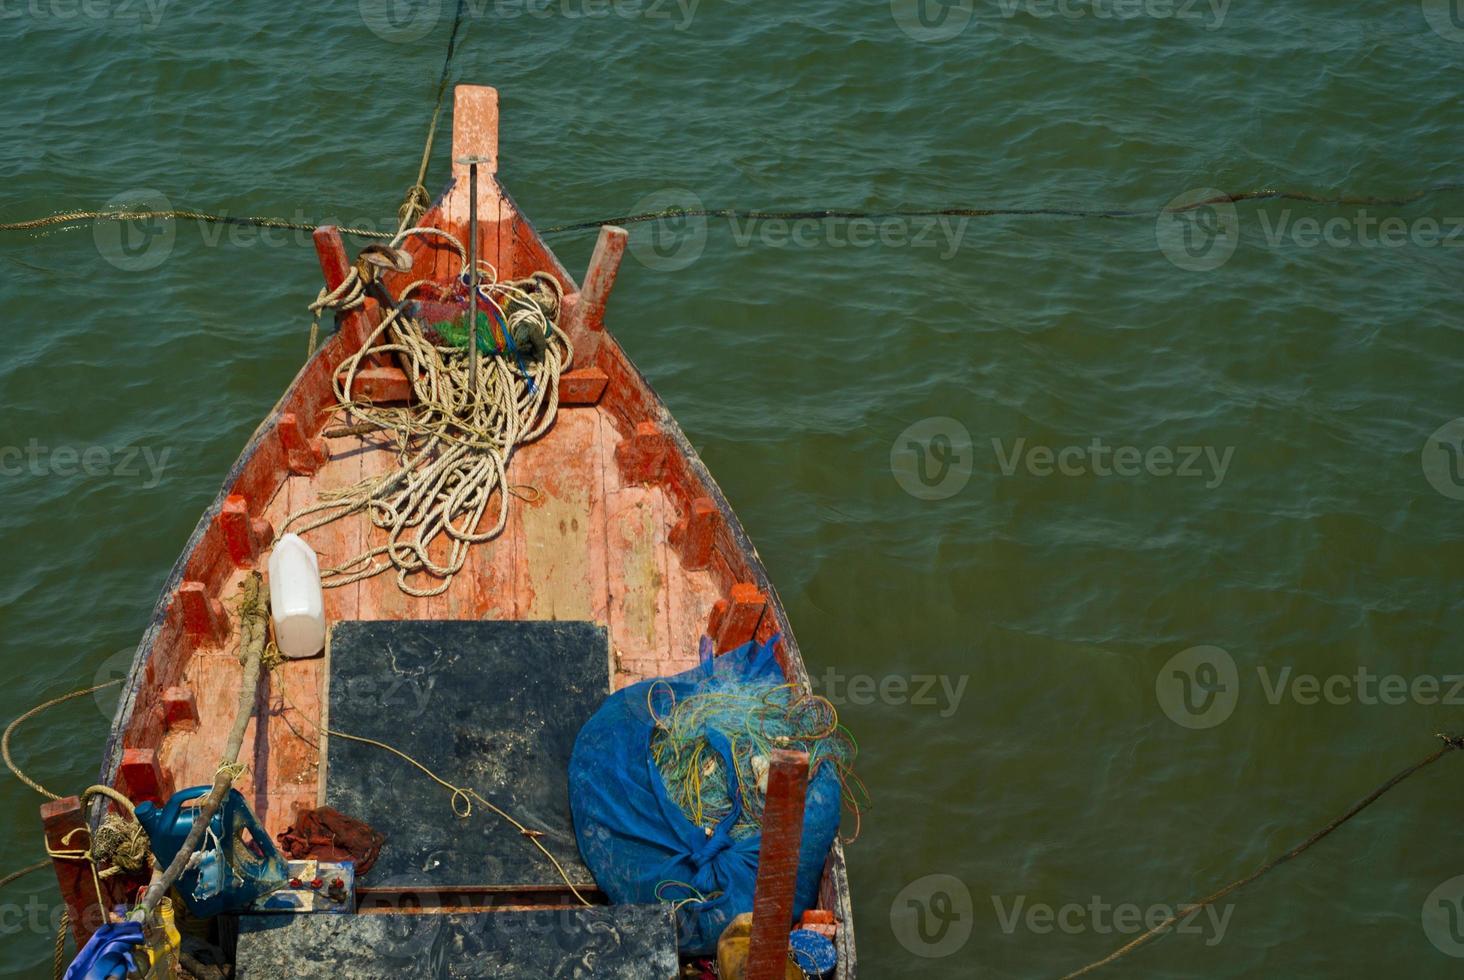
[418, 199]
[81, 854]
[59, 958]
[349, 295]
[120, 842]
[10, 729]
[462, 804]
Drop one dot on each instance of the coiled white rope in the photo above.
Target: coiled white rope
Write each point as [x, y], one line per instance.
[453, 444]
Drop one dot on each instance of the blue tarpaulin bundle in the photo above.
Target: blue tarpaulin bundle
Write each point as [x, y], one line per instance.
[639, 844]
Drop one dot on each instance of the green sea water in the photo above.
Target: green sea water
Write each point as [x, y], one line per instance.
[1130, 547]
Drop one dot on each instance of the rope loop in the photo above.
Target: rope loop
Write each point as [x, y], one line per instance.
[460, 795]
[414, 205]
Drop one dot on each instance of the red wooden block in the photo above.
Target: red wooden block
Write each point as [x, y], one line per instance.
[180, 710]
[379, 385]
[583, 386]
[474, 128]
[696, 533]
[142, 778]
[734, 621]
[335, 265]
[642, 457]
[204, 618]
[777, 865]
[305, 455]
[585, 320]
[244, 537]
[65, 824]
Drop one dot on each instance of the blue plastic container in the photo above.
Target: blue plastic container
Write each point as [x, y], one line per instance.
[814, 953]
[238, 863]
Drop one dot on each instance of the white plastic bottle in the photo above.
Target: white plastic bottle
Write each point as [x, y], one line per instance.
[296, 603]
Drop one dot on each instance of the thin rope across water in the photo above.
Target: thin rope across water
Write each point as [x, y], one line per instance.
[126, 214]
[417, 201]
[1451, 742]
[418, 198]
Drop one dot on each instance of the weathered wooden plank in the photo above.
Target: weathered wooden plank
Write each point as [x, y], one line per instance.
[636, 542]
[561, 525]
[475, 134]
[582, 386]
[486, 588]
[777, 865]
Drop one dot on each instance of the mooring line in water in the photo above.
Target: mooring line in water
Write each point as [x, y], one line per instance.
[10, 730]
[419, 198]
[997, 212]
[1451, 742]
[21, 873]
[127, 214]
[416, 202]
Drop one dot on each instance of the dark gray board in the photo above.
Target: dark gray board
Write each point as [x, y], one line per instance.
[614, 942]
[494, 706]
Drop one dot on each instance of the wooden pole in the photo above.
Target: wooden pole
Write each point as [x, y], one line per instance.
[335, 265]
[777, 866]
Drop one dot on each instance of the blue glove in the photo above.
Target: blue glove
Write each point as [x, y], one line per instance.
[108, 953]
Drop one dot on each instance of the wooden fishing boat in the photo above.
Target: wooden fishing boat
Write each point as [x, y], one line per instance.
[627, 530]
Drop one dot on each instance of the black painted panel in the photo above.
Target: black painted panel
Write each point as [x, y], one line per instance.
[619, 942]
[494, 706]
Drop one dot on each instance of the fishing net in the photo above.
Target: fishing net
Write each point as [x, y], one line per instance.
[649, 777]
[755, 718]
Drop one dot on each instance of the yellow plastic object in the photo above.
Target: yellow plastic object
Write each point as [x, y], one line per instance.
[163, 944]
[732, 951]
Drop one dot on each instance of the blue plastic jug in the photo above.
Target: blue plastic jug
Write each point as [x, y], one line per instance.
[236, 863]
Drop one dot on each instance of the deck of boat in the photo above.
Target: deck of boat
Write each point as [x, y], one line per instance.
[580, 543]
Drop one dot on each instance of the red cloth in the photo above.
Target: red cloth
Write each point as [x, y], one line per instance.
[329, 835]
